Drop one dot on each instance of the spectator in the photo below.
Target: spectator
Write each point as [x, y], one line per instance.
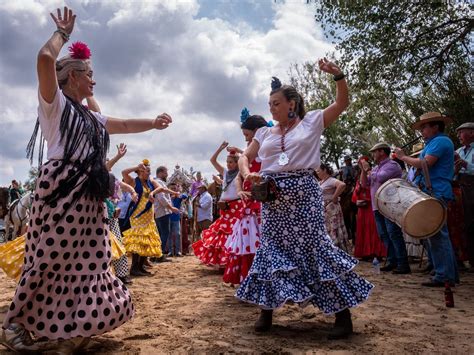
[175, 221]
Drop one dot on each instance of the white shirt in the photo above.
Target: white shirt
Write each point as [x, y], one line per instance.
[231, 191]
[205, 210]
[50, 117]
[302, 145]
[161, 202]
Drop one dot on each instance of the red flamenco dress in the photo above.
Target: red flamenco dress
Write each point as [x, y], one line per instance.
[245, 239]
[368, 243]
[210, 249]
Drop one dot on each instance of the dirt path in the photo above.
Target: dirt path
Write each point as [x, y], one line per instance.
[185, 308]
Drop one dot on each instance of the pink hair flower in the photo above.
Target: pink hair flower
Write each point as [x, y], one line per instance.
[79, 50]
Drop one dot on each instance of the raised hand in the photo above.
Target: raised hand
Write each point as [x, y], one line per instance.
[223, 145]
[162, 121]
[64, 21]
[327, 66]
[121, 150]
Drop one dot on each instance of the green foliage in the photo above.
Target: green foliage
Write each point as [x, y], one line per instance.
[403, 58]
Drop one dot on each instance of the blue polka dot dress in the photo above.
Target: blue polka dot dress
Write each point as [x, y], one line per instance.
[297, 261]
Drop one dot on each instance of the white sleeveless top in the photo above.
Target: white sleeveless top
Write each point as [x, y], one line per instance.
[302, 145]
[231, 192]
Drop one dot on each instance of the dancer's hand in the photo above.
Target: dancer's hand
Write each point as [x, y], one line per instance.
[399, 153]
[235, 149]
[162, 121]
[121, 150]
[223, 145]
[254, 178]
[365, 165]
[64, 21]
[244, 195]
[135, 197]
[327, 66]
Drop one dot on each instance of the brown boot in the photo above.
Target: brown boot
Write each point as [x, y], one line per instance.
[342, 327]
[264, 322]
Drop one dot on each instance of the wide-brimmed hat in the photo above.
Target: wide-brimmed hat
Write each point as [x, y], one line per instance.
[417, 149]
[381, 145]
[467, 125]
[431, 117]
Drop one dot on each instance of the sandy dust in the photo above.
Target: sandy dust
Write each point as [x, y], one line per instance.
[185, 308]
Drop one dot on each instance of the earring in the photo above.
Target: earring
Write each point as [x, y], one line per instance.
[291, 115]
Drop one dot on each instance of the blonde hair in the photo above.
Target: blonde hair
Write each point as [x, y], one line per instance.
[66, 64]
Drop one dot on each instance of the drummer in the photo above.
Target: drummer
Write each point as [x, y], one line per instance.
[390, 233]
[439, 156]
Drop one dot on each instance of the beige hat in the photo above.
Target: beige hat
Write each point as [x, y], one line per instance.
[467, 125]
[431, 117]
[417, 149]
[378, 146]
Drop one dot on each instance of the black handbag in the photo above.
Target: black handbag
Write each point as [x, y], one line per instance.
[265, 191]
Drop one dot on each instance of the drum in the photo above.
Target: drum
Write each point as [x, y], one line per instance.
[418, 214]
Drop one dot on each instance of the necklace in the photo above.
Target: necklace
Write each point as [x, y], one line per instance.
[284, 159]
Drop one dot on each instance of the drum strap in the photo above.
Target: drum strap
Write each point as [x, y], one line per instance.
[426, 174]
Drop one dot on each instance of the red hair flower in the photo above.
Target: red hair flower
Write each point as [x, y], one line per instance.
[232, 152]
[79, 50]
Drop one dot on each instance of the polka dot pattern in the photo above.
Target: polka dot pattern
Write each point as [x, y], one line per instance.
[211, 248]
[297, 261]
[66, 275]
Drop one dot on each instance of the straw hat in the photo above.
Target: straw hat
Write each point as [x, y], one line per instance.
[417, 148]
[431, 117]
[378, 146]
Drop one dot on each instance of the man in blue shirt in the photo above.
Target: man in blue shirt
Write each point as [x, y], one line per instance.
[175, 221]
[439, 156]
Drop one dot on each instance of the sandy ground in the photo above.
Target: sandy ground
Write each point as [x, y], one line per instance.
[185, 308]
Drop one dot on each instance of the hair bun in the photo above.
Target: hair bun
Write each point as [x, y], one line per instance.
[276, 83]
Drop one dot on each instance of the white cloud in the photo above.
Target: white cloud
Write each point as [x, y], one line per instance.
[157, 56]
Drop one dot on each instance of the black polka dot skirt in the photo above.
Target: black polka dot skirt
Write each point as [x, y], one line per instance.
[297, 261]
[66, 289]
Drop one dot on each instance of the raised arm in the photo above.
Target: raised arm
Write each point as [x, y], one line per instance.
[333, 111]
[244, 162]
[126, 174]
[215, 163]
[46, 63]
[136, 125]
[121, 151]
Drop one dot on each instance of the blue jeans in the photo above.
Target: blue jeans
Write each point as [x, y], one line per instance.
[392, 237]
[442, 257]
[163, 225]
[175, 237]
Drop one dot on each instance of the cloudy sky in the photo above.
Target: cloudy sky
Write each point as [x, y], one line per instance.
[201, 61]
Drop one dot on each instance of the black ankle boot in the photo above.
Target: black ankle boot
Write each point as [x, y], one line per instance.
[134, 269]
[264, 322]
[342, 327]
[141, 266]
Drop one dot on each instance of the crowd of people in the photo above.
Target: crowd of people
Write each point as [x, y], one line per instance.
[272, 219]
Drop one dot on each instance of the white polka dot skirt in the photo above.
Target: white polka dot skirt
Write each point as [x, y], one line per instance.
[66, 289]
[297, 261]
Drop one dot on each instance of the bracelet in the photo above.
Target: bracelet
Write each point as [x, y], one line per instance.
[339, 77]
[63, 34]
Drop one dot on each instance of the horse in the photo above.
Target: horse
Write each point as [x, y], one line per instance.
[18, 215]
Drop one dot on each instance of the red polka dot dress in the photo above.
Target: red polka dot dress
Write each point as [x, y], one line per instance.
[245, 238]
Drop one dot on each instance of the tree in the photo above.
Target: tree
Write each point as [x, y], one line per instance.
[32, 176]
[403, 58]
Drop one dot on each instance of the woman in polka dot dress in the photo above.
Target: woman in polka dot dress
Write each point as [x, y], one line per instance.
[210, 249]
[67, 291]
[297, 261]
[245, 238]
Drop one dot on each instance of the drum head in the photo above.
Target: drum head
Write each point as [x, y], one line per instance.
[424, 219]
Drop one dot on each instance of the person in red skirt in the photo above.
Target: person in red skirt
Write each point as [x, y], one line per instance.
[245, 239]
[368, 243]
[210, 249]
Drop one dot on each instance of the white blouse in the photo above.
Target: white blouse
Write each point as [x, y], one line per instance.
[50, 117]
[302, 145]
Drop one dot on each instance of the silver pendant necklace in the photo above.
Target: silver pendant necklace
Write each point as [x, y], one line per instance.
[283, 158]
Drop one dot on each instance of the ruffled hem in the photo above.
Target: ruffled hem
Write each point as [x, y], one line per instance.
[117, 248]
[210, 256]
[237, 268]
[12, 257]
[59, 306]
[347, 291]
[245, 238]
[142, 241]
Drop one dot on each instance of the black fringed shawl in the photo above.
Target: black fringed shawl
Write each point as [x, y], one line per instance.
[80, 132]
